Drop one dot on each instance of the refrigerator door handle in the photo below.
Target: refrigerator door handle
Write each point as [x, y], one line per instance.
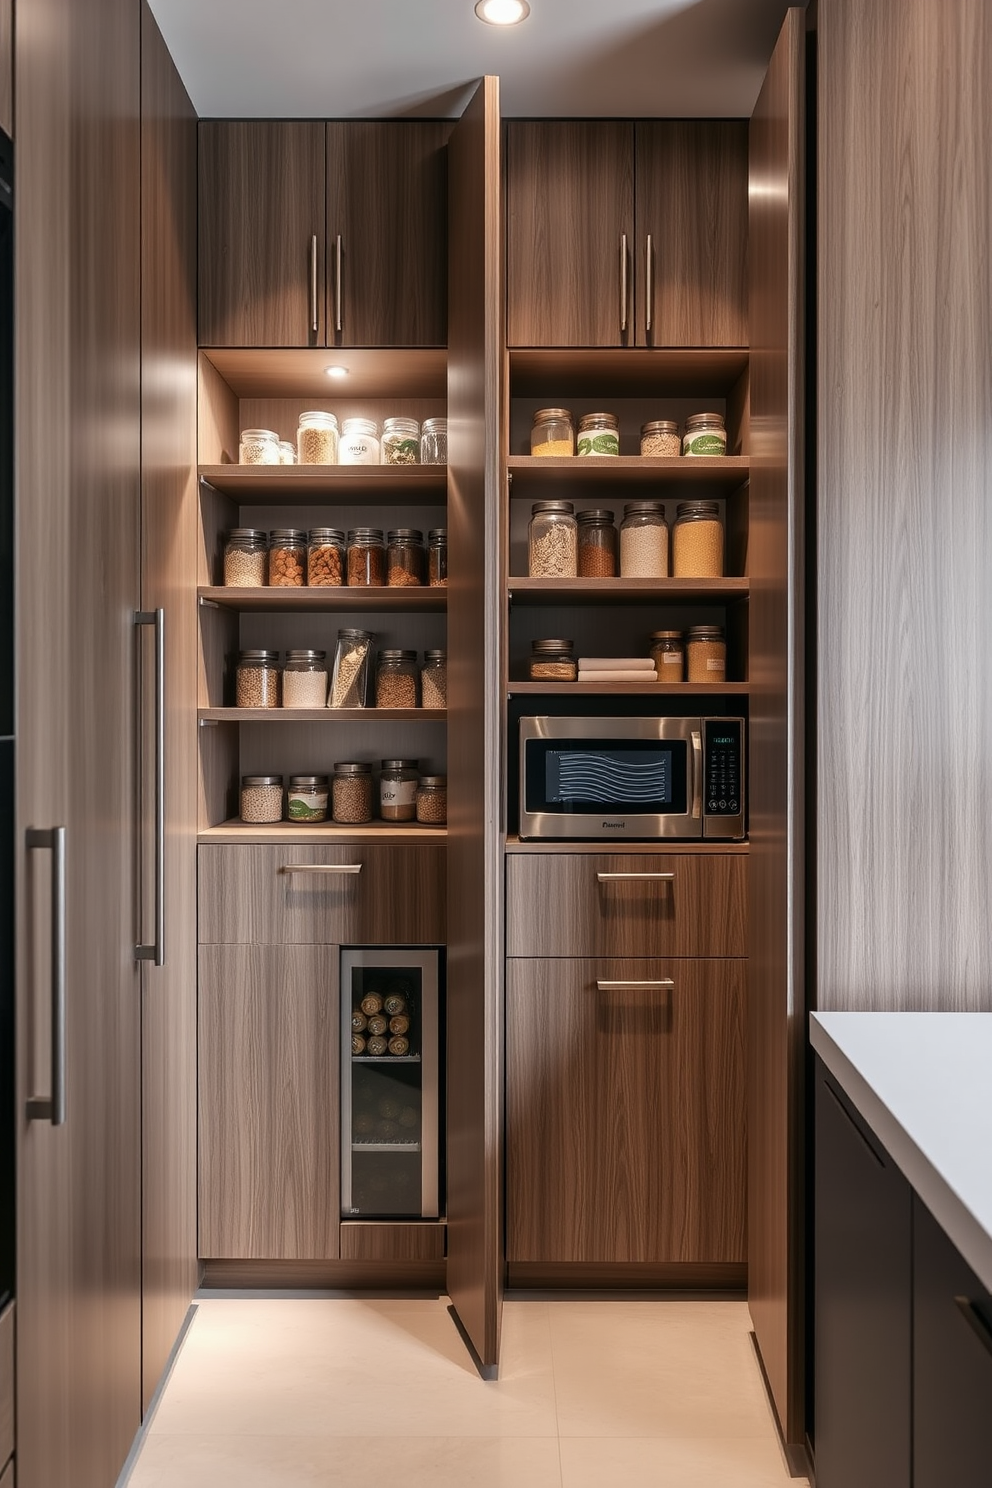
[53, 1108]
[156, 951]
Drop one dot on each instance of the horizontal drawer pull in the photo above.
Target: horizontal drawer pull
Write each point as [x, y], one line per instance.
[321, 868]
[635, 877]
[621, 986]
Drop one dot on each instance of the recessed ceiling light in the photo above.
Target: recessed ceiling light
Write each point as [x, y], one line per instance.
[336, 371]
[502, 12]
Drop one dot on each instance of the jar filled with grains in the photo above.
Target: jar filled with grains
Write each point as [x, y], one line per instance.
[257, 680]
[552, 541]
[644, 541]
[359, 443]
[552, 660]
[434, 442]
[437, 557]
[599, 434]
[317, 438]
[398, 789]
[287, 558]
[350, 673]
[697, 541]
[351, 793]
[553, 432]
[261, 798]
[325, 558]
[434, 680]
[405, 558]
[259, 447]
[660, 439]
[597, 544]
[306, 799]
[304, 679]
[706, 654]
[400, 441]
[705, 434]
[432, 800]
[396, 677]
[287, 452]
[366, 557]
[246, 558]
[668, 654]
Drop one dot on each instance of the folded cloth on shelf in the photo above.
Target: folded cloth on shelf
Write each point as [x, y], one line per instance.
[618, 663]
[617, 674]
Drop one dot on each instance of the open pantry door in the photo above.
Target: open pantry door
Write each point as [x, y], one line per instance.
[475, 726]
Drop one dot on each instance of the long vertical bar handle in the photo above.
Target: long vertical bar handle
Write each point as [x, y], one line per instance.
[623, 283]
[40, 1108]
[338, 307]
[648, 284]
[156, 951]
[697, 775]
[314, 318]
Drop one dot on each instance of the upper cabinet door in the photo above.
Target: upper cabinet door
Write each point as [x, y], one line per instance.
[387, 233]
[570, 223]
[261, 234]
[691, 236]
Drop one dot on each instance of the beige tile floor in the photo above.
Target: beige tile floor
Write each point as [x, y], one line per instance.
[355, 1393]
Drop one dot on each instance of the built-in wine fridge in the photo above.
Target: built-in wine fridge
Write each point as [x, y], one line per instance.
[390, 1052]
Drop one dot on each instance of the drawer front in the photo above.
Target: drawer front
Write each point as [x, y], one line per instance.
[574, 904]
[285, 895]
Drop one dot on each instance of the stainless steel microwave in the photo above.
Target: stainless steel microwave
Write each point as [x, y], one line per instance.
[632, 778]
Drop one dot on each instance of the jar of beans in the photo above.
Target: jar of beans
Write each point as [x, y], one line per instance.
[706, 654]
[437, 557]
[644, 541]
[697, 541]
[257, 680]
[552, 660]
[668, 654]
[317, 438]
[405, 558]
[434, 680]
[553, 433]
[351, 793]
[366, 557]
[400, 441]
[287, 558]
[432, 800]
[597, 538]
[552, 540]
[434, 442]
[398, 789]
[306, 800]
[396, 678]
[304, 679]
[259, 447]
[599, 434]
[261, 798]
[246, 558]
[325, 558]
[660, 439]
[705, 434]
[359, 443]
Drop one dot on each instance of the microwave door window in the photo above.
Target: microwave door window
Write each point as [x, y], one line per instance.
[595, 775]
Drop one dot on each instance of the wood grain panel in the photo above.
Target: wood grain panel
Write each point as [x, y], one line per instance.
[625, 1112]
[218, 429]
[392, 1242]
[269, 1081]
[6, 1382]
[387, 198]
[377, 1277]
[904, 490]
[569, 197]
[261, 193]
[627, 1276]
[7, 65]
[557, 906]
[7, 1477]
[299, 373]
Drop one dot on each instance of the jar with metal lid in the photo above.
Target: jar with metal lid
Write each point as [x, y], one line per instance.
[398, 789]
[246, 558]
[304, 679]
[432, 800]
[396, 677]
[405, 558]
[257, 679]
[287, 558]
[350, 673]
[668, 654]
[644, 541]
[317, 438]
[261, 798]
[306, 799]
[597, 538]
[366, 557]
[705, 434]
[697, 541]
[400, 441]
[660, 439]
[434, 442]
[325, 558]
[437, 557]
[351, 793]
[553, 433]
[359, 443]
[705, 654]
[599, 434]
[287, 452]
[552, 541]
[434, 680]
[259, 447]
[552, 660]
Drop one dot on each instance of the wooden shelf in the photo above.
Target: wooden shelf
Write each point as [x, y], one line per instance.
[249, 601]
[584, 372]
[627, 591]
[235, 830]
[638, 689]
[321, 715]
[277, 372]
[302, 485]
[677, 475]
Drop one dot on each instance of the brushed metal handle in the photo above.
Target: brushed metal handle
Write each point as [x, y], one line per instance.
[321, 868]
[697, 775]
[338, 305]
[623, 282]
[648, 283]
[621, 986]
[635, 877]
[976, 1321]
[156, 951]
[314, 325]
[53, 1108]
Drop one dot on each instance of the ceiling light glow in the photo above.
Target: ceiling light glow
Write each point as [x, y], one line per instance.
[336, 371]
[502, 12]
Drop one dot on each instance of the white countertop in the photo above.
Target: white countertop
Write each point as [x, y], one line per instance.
[923, 1083]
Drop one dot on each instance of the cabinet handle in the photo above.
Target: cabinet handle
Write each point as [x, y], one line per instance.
[314, 326]
[635, 877]
[338, 307]
[621, 986]
[623, 282]
[976, 1321]
[321, 868]
[648, 283]
[156, 951]
[697, 775]
[41, 1108]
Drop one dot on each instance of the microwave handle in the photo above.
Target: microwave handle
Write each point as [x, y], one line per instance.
[697, 775]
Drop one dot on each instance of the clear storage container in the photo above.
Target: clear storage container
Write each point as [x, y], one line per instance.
[405, 558]
[553, 660]
[325, 558]
[287, 558]
[366, 557]
[437, 557]
[434, 442]
[261, 798]
[697, 541]
[432, 800]
[359, 443]
[257, 680]
[599, 434]
[350, 672]
[304, 679]
[306, 799]
[553, 433]
[644, 541]
[396, 678]
[552, 540]
[351, 793]
[705, 434]
[660, 439]
[400, 441]
[434, 680]
[706, 654]
[597, 544]
[668, 654]
[287, 452]
[259, 447]
[246, 558]
[398, 789]
[317, 438]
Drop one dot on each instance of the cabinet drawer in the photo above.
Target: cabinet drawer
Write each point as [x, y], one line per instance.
[293, 895]
[569, 905]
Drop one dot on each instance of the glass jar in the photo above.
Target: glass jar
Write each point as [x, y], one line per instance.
[306, 800]
[552, 541]
[287, 452]
[552, 661]
[304, 679]
[261, 798]
[287, 558]
[405, 558]
[400, 441]
[398, 790]
[351, 793]
[705, 434]
[259, 447]
[697, 541]
[553, 433]
[644, 541]
[257, 680]
[325, 558]
[317, 438]
[437, 557]
[705, 654]
[246, 558]
[660, 439]
[668, 655]
[432, 800]
[597, 544]
[396, 678]
[359, 443]
[599, 434]
[350, 672]
[434, 680]
[434, 442]
[366, 557]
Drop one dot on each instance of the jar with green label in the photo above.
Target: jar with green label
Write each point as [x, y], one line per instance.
[705, 434]
[599, 434]
[307, 798]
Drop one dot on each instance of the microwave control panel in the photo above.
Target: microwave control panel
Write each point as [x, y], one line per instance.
[723, 777]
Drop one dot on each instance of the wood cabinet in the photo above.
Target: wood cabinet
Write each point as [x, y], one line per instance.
[6, 1384]
[6, 65]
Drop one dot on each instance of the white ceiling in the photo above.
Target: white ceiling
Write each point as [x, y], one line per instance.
[381, 58]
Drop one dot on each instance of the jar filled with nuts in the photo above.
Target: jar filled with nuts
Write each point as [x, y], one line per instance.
[660, 439]
[396, 679]
[552, 660]
[599, 434]
[697, 541]
[706, 654]
[398, 789]
[246, 558]
[287, 558]
[304, 679]
[597, 544]
[317, 438]
[434, 680]
[437, 557]
[434, 442]
[553, 433]
[552, 541]
[261, 798]
[257, 680]
[325, 558]
[400, 441]
[644, 541]
[366, 557]
[432, 800]
[351, 793]
[359, 444]
[259, 447]
[405, 558]
[668, 654]
[306, 800]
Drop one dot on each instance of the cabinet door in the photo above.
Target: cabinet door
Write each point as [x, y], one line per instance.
[269, 1078]
[625, 1110]
[261, 213]
[570, 221]
[387, 208]
[692, 203]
